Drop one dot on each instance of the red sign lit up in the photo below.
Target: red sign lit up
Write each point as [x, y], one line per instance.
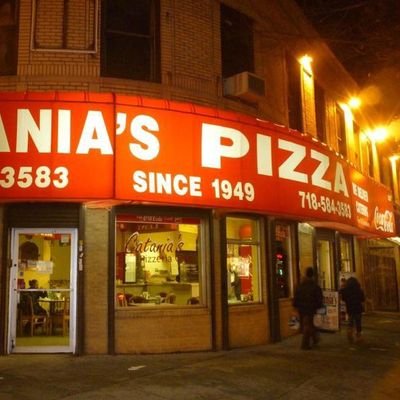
[80, 146]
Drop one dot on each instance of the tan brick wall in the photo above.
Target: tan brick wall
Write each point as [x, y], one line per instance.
[162, 331]
[96, 247]
[248, 326]
[286, 311]
[308, 96]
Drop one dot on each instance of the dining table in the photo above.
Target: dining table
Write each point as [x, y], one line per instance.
[53, 305]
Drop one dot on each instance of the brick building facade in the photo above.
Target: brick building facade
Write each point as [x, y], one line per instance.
[171, 62]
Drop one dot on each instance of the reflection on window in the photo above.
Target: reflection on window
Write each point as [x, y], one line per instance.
[283, 260]
[243, 260]
[159, 261]
[131, 43]
[8, 38]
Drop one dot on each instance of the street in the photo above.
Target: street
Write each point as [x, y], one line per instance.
[334, 370]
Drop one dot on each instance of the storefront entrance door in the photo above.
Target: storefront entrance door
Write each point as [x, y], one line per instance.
[325, 258]
[42, 291]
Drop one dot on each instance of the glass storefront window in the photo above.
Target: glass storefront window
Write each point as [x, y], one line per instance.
[346, 258]
[159, 261]
[283, 260]
[243, 260]
[306, 259]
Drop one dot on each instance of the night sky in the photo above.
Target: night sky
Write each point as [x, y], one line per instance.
[365, 36]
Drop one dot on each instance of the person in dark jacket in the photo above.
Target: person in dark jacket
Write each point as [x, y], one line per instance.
[307, 299]
[353, 296]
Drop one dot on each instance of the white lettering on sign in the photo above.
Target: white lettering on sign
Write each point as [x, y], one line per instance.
[27, 127]
[140, 127]
[361, 209]
[94, 135]
[287, 169]
[317, 177]
[214, 150]
[360, 192]
[156, 182]
[4, 146]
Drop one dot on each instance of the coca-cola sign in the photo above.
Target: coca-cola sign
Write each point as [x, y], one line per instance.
[384, 220]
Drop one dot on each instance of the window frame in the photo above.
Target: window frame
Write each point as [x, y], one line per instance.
[91, 49]
[294, 93]
[203, 256]
[11, 31]
[231, 63]
[257, 242]
[320, 111]
[112, 70]
[291, 258]
[341, 133]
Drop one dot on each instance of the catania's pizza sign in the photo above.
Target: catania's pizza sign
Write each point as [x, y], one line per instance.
[158, 153]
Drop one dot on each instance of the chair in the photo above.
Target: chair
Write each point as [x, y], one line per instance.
[121, 300]
[171, 297]
[27, 317]
[61, 318]
[193, 300]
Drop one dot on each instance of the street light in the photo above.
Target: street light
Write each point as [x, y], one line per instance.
[378, 134]
[354, 103]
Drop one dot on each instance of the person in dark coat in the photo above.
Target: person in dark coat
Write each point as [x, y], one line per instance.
[353, 296]
[307, 299]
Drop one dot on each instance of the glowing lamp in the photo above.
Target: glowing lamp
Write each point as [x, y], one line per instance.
[305, 62]
[354, 103]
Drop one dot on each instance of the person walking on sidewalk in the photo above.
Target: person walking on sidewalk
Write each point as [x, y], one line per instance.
[353, 296]
[307, 300]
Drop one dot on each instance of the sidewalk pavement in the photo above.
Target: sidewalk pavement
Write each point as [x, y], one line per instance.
[334, 370]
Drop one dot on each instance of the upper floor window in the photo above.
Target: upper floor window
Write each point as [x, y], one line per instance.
[236, 42]
[320, 112]
[64, 25]
[131, 39]
[341, 131]
[356, 133]
[294, 93]
[370, 158]
[8, 37]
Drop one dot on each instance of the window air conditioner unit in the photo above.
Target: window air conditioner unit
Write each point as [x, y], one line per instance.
[245, 85]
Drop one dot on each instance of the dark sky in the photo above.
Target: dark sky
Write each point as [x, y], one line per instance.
[365, 36]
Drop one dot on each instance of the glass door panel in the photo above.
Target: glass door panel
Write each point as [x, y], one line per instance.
[42, 300]
[325, 264]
